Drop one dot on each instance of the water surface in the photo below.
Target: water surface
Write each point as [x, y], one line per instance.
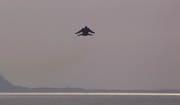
[89, 99]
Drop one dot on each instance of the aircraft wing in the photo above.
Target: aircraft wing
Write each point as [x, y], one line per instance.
[91, 31]
[79, 31]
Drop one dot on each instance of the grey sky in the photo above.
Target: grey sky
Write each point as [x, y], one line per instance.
[136, 45]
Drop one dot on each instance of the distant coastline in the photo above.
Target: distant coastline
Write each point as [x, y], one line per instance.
[6, 86]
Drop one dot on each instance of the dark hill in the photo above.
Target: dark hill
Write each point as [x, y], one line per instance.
[6, 86]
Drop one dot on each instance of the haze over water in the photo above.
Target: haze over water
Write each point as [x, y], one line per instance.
[135, 46]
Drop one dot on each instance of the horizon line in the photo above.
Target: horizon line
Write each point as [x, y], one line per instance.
[129, 94]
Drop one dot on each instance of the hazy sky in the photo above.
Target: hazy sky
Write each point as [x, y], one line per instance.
[136, 45]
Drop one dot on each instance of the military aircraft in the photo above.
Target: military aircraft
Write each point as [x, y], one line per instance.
[85, 32]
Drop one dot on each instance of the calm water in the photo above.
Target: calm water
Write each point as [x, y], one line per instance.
[89, 99]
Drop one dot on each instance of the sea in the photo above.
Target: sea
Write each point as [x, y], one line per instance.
[89, 99]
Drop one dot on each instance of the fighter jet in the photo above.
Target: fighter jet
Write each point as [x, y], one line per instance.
[85, 32]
